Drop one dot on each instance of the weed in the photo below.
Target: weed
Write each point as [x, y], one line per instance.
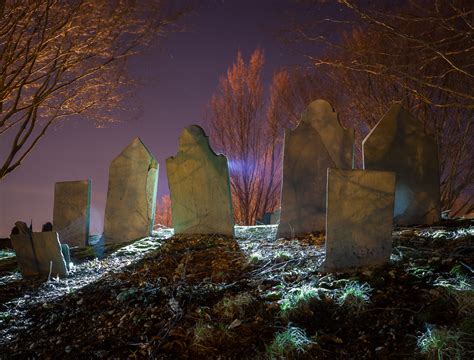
[442, 344]
[202, 333]
[297, 298]
[354, 295]
[5, 253]
[255, 258]
[234, 306]
[286, 342]
[282, 256]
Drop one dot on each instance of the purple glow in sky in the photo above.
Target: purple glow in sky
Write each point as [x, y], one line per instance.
[187, 66]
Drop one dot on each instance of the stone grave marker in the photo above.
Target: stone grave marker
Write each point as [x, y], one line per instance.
[359, 218]
[131, 196]
[318, 143]
[199, 185]
[72, 211]
[25, 254]
[398, 143]
[49, 255]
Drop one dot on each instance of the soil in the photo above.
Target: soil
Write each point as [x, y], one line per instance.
[214, 297]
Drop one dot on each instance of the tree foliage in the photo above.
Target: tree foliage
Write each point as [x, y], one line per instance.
[59, 59]
[249, 135]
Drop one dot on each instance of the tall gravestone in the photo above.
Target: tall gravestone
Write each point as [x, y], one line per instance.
[71, 213]
[318, 143]
[359, 218]
[398, 143]
[199, 185]
[131, 196]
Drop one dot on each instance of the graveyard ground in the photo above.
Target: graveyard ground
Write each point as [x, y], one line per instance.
[253, 297]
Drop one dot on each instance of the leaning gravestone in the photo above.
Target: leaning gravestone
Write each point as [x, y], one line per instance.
[199, 185]
[25, 254]
[24, 250]
[318, 143]
[398, 143]
[72, 211]
[359, 218]
[49, 255]
[131, 197]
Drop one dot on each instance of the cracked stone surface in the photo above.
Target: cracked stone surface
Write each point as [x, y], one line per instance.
[318, 143]
[398, 143]
[48, 254]
[199, 185]
[72, 211]
[131, 196]
[359, 218]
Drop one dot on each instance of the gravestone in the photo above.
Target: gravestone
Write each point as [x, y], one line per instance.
[49, 256]
[398, 143]
[199, 185]
[318, 143]
[131, 196]
[25, 254]
[359, 218]
[72, 211]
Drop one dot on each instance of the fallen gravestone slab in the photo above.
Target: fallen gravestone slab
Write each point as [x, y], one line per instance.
[49, 255]
[318, 143]
[72, 211]
[359, 218]
[398, 143]
[131, 196]
[199, 185]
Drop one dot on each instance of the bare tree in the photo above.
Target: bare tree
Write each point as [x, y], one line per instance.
[241, 129]
[163, 215]
[59, 59]
[421, 54]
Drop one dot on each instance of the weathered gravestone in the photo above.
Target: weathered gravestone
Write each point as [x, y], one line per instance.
[398, 143]
[131, 197]
[49, 255]
[24, 250]
[359, 218]
[72, 211]
[199, 185]
[318, 143]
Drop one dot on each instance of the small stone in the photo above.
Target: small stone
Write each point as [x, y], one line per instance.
[67, 349]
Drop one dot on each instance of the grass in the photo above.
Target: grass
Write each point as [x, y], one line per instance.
[233, 307]
[296, 298]
[6, 253]
[442, 344]
[354, 295]
[293, 339]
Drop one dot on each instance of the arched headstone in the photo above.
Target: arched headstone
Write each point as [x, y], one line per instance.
[398, 143]
[199, 185]
[318, 143]
[131, 196]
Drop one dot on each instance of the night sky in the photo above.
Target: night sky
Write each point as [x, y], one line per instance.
[187, 66]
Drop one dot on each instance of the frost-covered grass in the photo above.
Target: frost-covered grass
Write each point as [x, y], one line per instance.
[293, 339]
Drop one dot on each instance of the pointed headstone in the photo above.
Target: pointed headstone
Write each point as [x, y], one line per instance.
[131, 196]
[359, 218]
[318, 143]
[72, 211]
[398, 143]
[49, 255]
[199, 185]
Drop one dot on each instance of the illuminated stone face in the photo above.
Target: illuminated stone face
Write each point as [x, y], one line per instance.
[318, 143]
[398, 143]
[199, 185]
[71, 211]
[49, 256]
[40, 254]
[131, 196]
[359, 218]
